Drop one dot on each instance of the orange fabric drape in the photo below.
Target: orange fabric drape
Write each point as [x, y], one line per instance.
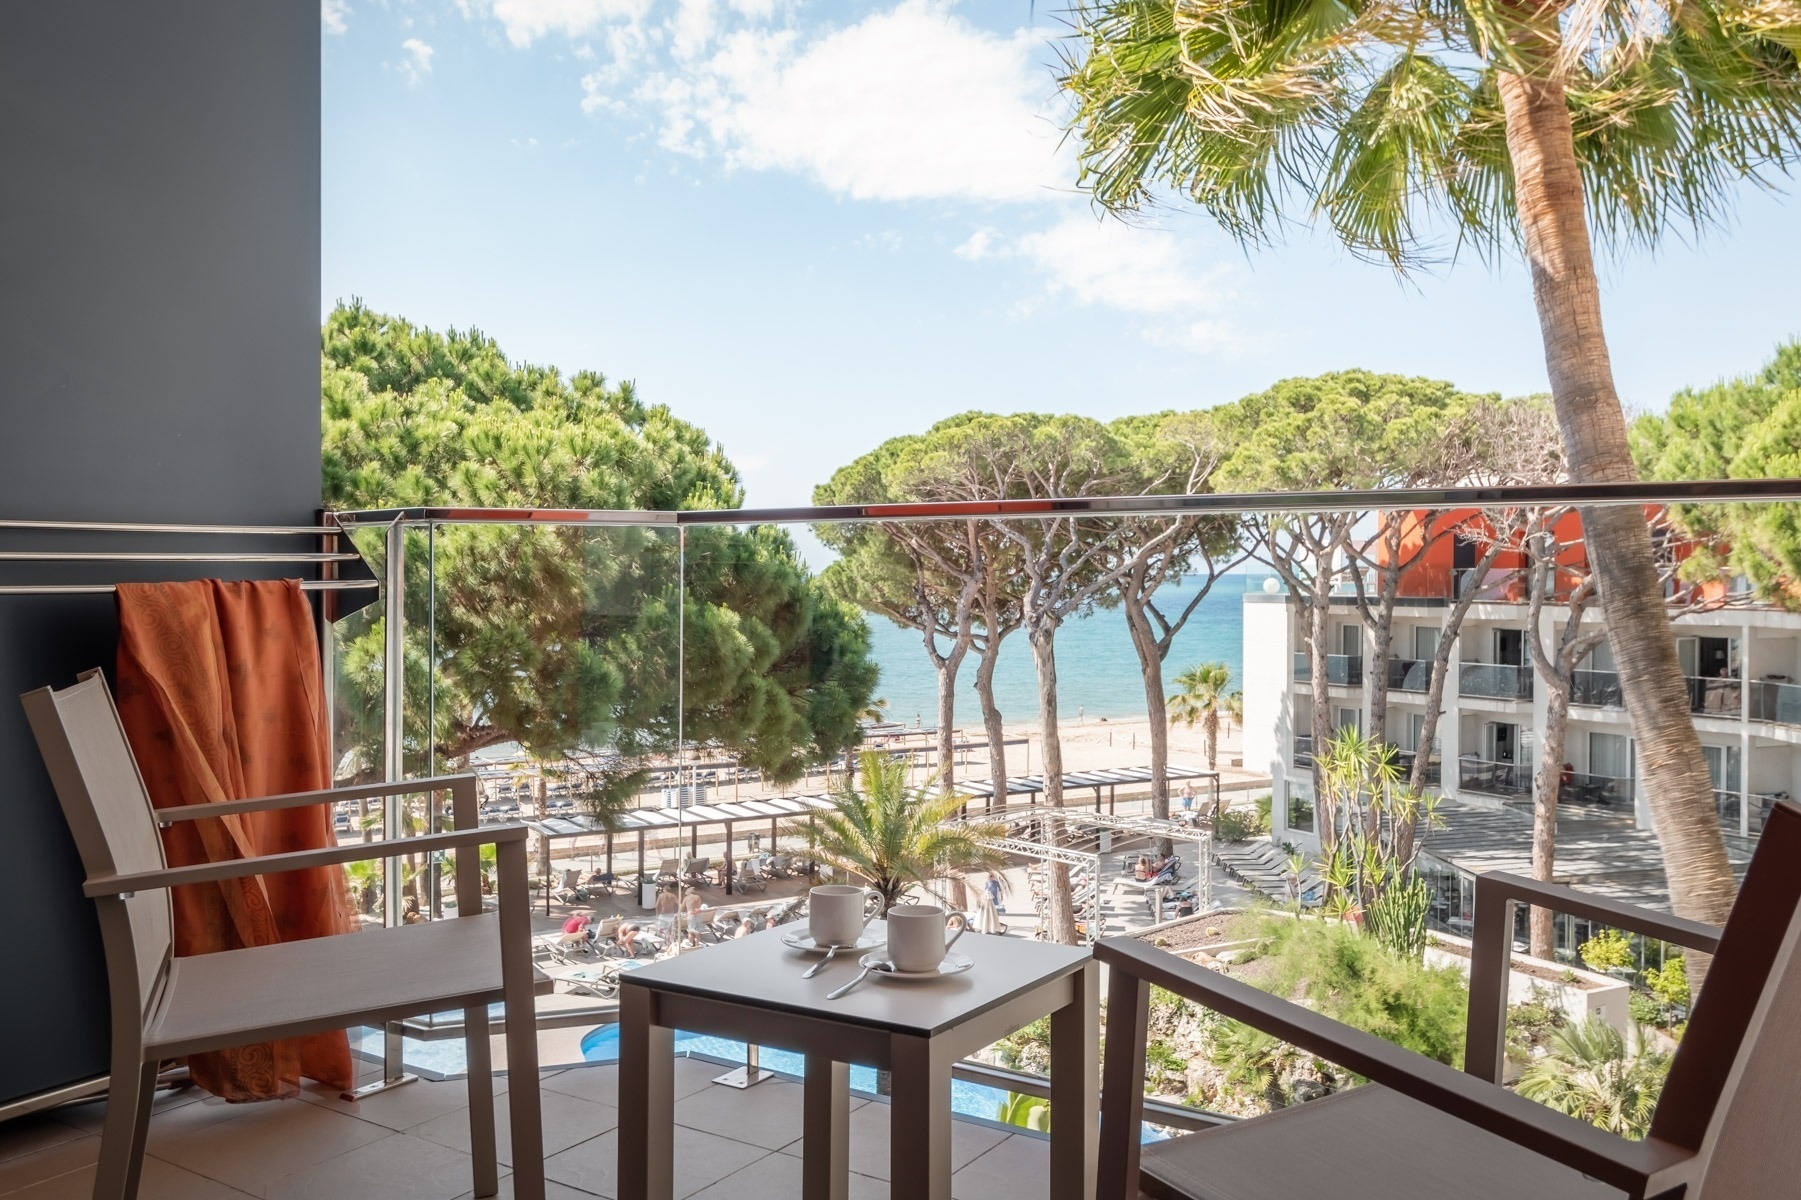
[219, 691]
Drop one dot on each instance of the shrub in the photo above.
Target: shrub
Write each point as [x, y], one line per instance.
[1530, 1024]
[1608, 950]
[1643, 1010]
[1670, 985]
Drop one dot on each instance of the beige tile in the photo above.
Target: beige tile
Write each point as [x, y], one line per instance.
[260, 1143]
[1019, 1168]
[869, 1141]
[600, 1083]
[29, 1135]
[160, 1181]
[552, 1191]
[90, 1117]
[398, 1167]
[56, 1158]
[404, 1107]
[701, 1159]
[777, 1177]
[567, 1121]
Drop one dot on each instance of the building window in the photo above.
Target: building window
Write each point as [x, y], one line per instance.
[1300, 809]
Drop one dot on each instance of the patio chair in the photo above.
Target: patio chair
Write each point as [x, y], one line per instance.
[1723, 1129]
[669, 870]
[165, 1007]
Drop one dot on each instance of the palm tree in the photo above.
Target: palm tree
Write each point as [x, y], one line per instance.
[1511, 123]
[1203, 700]
[1593, 1074]
[894, 836]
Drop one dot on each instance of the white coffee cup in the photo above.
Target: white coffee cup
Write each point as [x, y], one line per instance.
[919, 935]
[838, 913]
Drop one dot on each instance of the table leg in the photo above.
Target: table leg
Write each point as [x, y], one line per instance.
[646, 1100]
[825, 1168]
[919, 1119]
[1075, 1089]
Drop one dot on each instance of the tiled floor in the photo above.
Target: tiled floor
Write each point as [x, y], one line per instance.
[411, 1144]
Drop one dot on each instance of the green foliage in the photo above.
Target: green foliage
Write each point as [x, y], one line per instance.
[1387, 122]
[1254, 1061]
[1240, 825]
[1530, 1025]
[1357, 980]
[1160, 1062]
[1748, 428]
[1609, 950]
[1669, 986]
[563, 638]
[1202, 699]
[894, 835]
[1593, 1074]
[1642, 1009]
[1375, 851]
[1028, 1112]
[1397, 918]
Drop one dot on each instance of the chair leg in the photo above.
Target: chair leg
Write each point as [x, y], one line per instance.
[522, 1087]
[128, 1100]
[483, 1132]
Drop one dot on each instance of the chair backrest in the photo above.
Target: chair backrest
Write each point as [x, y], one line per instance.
[1731, 1092]
[110, 815]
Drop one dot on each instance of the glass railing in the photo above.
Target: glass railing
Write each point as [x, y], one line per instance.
[687, 680]
[1409, 674]
[1342, 670]
[1494, 681]
[1404, 759]
[1773, 700]
[1595, 791]
[1596, 689]
[1714, 697]
[1494, 778]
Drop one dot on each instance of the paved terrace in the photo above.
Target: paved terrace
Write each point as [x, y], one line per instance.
[411, 1144]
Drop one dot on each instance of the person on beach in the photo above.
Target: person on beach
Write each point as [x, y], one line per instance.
[746, 927]
[628, 938]
[578, 923]
[666, 913]
[691, 922]
[1187, 796]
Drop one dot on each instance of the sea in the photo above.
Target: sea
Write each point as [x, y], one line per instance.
[1097, 669]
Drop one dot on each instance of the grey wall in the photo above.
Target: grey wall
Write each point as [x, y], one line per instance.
[159, 361]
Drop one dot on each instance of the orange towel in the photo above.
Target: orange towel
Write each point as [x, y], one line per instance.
[219, 691]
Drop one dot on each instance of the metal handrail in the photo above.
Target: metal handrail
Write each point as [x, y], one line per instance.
[1718, 491]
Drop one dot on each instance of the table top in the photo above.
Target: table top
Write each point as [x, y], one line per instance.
[761, 971]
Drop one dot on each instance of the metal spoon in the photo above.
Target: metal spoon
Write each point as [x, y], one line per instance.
[874, 966]
[819, 966]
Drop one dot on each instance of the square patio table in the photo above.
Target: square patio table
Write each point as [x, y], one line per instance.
[751, 990]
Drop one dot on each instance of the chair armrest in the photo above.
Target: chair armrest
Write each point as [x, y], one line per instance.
[1491, 952]
[1636, 1167]
[360, 791]
[274, 864]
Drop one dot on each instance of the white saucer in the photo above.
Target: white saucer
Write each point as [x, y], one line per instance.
[800, 940]
[953, 964]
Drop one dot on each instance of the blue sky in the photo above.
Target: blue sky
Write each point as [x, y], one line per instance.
[811, 227]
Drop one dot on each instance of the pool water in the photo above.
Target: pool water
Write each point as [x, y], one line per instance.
[969, 1099]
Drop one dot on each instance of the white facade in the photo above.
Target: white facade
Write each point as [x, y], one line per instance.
[1743, 666]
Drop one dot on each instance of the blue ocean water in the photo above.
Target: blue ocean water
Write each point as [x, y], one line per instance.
[1097, 669]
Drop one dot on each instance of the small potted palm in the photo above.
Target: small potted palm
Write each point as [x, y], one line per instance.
[895, 835]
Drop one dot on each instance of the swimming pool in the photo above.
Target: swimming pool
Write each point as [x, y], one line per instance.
[970, 1099]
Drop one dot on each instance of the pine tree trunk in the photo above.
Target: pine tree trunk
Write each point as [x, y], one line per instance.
[948, 666]
[992, 725]
[1551, 204]
[1156, 707]
[1545, 794]
[1320, 626]
[1062, 919]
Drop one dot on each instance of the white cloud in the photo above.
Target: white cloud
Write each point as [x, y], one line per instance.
[335, 15]
[691, 32]
[1151, 273]
[910, 104]
[417, 63]
[525, 21]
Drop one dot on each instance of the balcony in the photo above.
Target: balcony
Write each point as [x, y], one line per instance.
[1494, 778]
[1596, 689]
[1409, 674]
[1405, 758]
[1774, 701]
[1495, 681]
[1342, 670]
[1596, 791]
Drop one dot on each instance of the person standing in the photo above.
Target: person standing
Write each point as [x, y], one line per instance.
[666, 914]
[1187, 796]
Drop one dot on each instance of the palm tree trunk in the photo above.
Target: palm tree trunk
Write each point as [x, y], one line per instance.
[1156, 706]
[992, 726]
[1550, 199]
[1044, 658]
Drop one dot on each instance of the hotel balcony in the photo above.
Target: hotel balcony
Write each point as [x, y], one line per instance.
[1494, 681]
[1486, 778]
[1409, 675]
[1342, 670]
